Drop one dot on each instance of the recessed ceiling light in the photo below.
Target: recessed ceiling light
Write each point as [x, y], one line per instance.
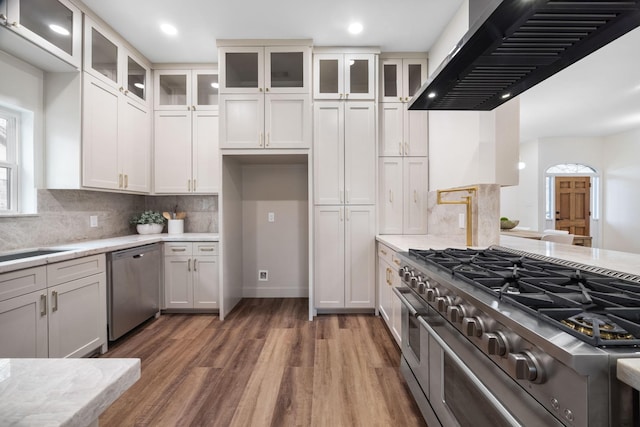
[215, 85]
[506, 95]
[169, 29]
[355, 28]
[58, 29]
[139, 85]
[431, 95]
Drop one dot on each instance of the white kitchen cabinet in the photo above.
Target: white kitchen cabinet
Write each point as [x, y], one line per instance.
[116, 139]
[191, 275]
[186, 154]
[269, 121]
[401, 78]
[403, 132]
[403, 195]
[54, 26]
[186, 90]
[344, 153]
[344, 257]
[389, 304]
[23, 314]
[265, 69]
[347, 76]
[107, 59]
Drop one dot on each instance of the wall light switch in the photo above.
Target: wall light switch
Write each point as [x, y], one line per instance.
[93, 221]
[461, 221]
[271, 217]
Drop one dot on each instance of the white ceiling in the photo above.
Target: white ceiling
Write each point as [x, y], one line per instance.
[598, 96]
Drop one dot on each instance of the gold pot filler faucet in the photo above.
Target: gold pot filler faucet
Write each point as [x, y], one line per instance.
[465, 200]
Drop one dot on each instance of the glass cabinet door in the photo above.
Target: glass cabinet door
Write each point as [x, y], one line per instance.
[391, 80]
[172, 90]
[243, 70]
[101, 56]
[328, 75]
[414, 75]
[286, 69]
[53, 25]
[206, 89]
[137, 79]
[359, 76]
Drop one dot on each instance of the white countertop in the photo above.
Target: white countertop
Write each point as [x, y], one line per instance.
[612, 260]
[628, 371]
[92, 247]
[61, 392]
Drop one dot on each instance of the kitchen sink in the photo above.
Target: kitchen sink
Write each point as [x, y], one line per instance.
[30, 254]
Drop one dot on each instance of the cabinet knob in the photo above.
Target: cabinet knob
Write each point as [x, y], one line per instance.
[260, 89]
[188, 108]
[193, 108]
[121, 89]
[267, 89]
[341, 96]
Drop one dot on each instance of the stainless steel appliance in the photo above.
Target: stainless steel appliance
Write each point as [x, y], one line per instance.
[133, 291]
[499, 337]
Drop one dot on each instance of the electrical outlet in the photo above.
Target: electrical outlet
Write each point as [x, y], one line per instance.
[461, 221]
[93, 221]
[271, 217]
[263, 275]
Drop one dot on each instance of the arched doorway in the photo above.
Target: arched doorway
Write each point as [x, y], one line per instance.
[572, 199]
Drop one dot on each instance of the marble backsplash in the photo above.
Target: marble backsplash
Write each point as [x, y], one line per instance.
[63, 217]
[443, 220]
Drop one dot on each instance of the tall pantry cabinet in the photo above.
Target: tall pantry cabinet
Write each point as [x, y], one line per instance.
[344, 150]
[403, 164]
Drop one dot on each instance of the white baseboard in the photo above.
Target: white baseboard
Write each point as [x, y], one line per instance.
[275, 292]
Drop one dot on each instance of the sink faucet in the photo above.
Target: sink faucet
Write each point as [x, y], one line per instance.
[465, 200]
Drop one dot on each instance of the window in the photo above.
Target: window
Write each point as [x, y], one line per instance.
[9, 173]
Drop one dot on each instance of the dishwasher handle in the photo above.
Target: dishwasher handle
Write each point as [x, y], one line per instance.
[138, 256]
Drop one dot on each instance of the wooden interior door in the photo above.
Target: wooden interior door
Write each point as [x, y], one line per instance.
[572, 204]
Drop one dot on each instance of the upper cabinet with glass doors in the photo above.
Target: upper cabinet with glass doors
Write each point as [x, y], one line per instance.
[269, 69]
[344, 76]
[107, 59]
[401, 78]
[191, 90]
[54, 25]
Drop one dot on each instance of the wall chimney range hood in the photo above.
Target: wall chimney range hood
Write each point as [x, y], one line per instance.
[516, 44]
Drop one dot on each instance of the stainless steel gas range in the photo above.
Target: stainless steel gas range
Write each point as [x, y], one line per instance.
[499, 337]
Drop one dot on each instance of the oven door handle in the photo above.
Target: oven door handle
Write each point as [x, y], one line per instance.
[469, 373]
[406, 303]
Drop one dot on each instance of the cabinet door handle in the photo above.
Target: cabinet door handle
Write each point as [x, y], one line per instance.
[267, 139]
[266, 89]
[341, 96]
[260, 140]
[406, 148]
[346, 95]
[126, 180]
[178, 249]
[193, 108]
[415, 196]
[397, 261]
[119, 180]
[260, 89]
[400, 98]
[348, 213]
[383, 252]
[341, 219]
[347, 196]
[194, 185]
[189, 264]
[341, 196]
[121, 89]
[390, 196]
[43, 305]
[206, 249]
[188, 108]
[400, 148]
[188, 185]
[195, 264]
[54, 303]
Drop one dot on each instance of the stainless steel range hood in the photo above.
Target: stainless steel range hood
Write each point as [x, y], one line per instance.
[516, 44]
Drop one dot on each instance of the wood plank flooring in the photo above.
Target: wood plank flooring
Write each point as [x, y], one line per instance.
[265, 365]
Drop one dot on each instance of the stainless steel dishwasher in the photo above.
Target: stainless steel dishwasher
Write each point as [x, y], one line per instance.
[133, 293]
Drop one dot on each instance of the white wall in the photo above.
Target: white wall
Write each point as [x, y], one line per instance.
[282, 246]
[453, 32]
[522, 202]
[621, 192]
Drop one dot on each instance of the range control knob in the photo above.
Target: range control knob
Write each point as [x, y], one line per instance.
[422, 287]
[456, 313]
[403, 270]
[525, 366]
[495, 344]
[414, 280]
[432, 294]
[408, 275]
[427, 284]
[472, 326]
[443, 302]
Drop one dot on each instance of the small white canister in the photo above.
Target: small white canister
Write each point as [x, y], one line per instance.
[176, 226]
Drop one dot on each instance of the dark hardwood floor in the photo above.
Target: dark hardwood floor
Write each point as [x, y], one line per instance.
[264, 365]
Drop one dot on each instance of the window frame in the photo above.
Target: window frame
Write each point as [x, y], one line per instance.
[12, 162]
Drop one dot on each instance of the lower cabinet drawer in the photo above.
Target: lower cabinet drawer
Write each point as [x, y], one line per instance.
[66, 271]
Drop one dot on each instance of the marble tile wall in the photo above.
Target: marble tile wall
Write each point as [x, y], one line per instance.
[443, 219]
[63, 217]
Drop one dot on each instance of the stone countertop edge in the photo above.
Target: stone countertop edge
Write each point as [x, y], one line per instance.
[93, 247]
[628, 371]
[62, 392]
[624, 262]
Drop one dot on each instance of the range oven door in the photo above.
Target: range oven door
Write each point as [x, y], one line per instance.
[467, 389]
[415, 340]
